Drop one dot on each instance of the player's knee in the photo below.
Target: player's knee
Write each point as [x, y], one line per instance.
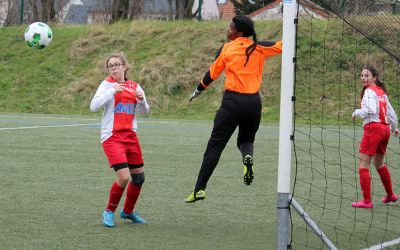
[124, 179]
[138, 179]
[121, 169]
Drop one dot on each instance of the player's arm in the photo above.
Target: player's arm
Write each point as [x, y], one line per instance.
[270, 48]
[143, 108]
[392, 117]
[369, 105]
[104, 94]
[213, 73]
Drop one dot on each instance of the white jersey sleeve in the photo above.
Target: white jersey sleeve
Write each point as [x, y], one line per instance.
[391, 115]
[369, 106]
[143, 108]
[104, 94]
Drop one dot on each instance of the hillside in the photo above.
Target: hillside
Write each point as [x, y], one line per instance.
[166, 58]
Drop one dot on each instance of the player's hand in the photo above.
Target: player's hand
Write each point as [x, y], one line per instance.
[119, 87]
[353, 117]
[195, 94]
[139, 96]
[396, 133]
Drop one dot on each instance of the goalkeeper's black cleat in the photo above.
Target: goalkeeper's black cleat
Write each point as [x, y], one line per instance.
[248, 171]
[196, 196]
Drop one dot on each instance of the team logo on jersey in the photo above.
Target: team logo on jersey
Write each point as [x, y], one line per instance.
[125, 108]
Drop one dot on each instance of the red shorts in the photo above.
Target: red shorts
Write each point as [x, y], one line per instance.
[375, 138]
[123, 146]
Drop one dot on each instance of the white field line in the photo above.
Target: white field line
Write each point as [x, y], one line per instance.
[91, 124]
[385, 244]
[49, 117]
[55, 126]
[5, 116]
[148, 120]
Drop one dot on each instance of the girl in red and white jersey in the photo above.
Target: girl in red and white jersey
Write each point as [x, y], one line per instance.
[122, 100]
[379, 119]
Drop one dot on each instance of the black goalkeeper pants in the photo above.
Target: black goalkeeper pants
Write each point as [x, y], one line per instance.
[237, 110]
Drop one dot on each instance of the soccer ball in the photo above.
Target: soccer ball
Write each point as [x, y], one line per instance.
[38, 35]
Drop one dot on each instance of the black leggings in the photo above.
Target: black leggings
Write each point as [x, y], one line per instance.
[243, 110]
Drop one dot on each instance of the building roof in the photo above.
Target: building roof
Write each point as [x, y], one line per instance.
[157, 6]
[266, 7]
[311, 8]
[315, 8]
[77, 14]
[226, 10]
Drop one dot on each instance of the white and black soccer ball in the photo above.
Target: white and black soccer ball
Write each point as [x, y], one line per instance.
[38, 35]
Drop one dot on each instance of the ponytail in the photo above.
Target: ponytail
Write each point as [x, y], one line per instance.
[251, 48]
[245, 25]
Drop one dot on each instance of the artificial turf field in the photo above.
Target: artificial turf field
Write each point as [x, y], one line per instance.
[55, 183]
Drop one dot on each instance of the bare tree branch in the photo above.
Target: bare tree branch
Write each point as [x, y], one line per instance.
[12, 13]
[120, 10]
[184, 9]
[48, 10]
[136, 9]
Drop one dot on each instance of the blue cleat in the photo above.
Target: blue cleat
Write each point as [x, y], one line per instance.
[108, 218]
[134, 217]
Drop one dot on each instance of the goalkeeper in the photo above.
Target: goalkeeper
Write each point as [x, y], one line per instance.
[242, 59]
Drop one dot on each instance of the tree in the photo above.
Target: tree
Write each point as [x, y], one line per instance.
[136, 9]
[119, 10]
[246, 7]
[13, 12]
[34, 11]
[184, 9]
[48, 11]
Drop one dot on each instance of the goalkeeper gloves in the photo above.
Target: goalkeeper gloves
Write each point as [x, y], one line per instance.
[199, 89]
[195, 94]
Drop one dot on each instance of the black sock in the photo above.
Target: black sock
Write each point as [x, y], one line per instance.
[246, 148]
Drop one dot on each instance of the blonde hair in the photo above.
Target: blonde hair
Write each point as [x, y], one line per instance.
[122, 58]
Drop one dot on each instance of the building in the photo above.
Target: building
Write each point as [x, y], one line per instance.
[93, 11]
[3, 12]
[274, 10]
[209, 9]
[74, 12]
[226, 9]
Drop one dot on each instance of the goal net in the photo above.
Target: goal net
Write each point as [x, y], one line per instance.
[334, 40]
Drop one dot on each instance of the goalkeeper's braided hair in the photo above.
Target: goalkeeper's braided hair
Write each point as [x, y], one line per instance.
[245, 25]
[374, 73]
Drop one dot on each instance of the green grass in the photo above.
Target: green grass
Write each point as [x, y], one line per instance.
[327, 182]
[55, 183]
[55, 180]
[168, 59]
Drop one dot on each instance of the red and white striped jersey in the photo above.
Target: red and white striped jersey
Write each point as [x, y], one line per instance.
[375, 107]
[120, 108]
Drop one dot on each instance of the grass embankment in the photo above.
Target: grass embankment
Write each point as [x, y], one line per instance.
[167, 59]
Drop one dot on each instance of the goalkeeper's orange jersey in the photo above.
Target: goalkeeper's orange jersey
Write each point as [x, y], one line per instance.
[232, 57]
